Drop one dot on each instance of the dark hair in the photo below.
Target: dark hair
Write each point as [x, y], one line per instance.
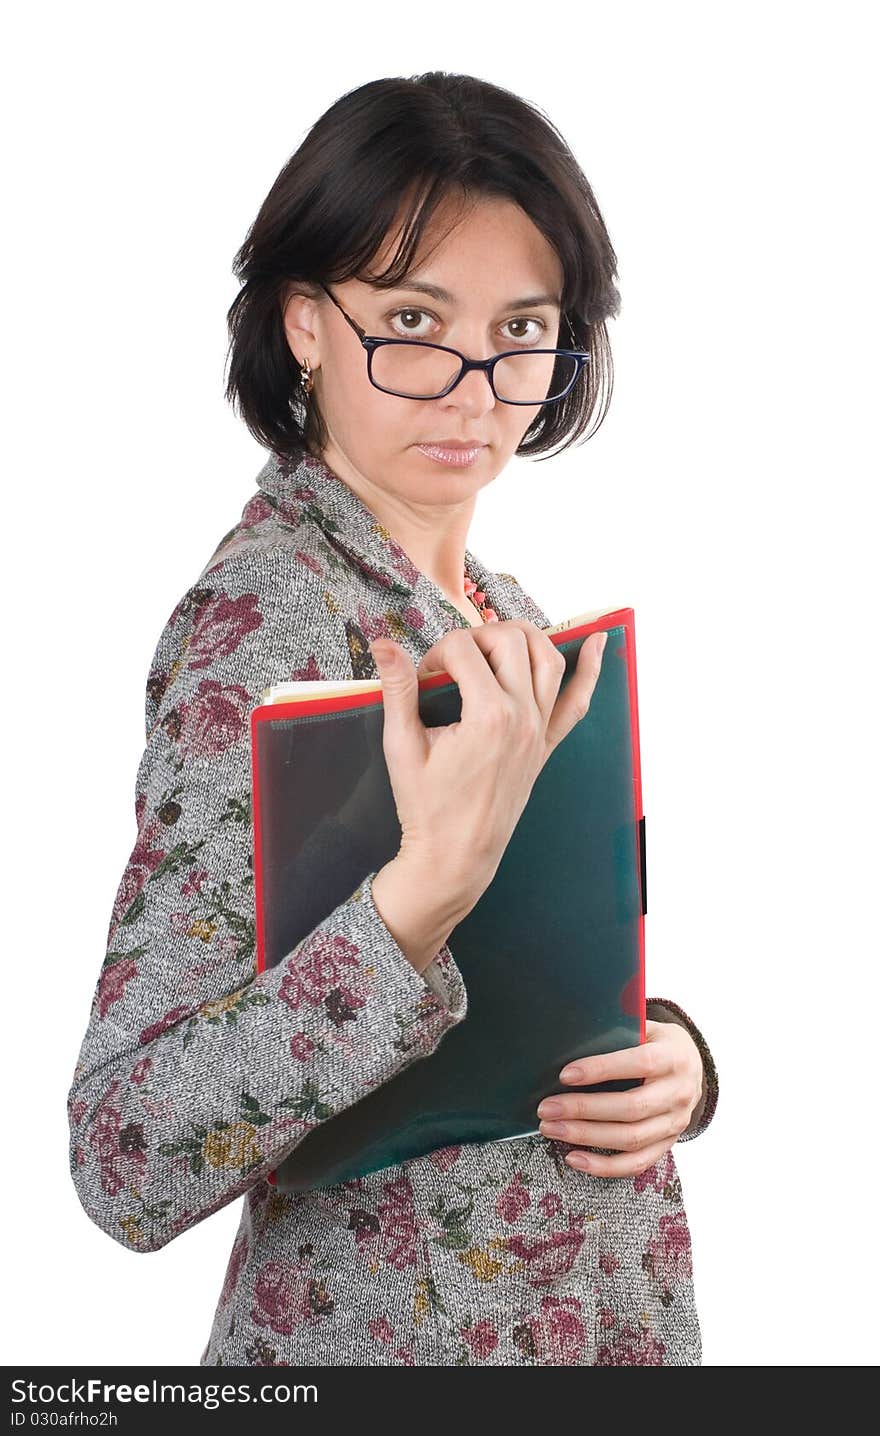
[412, 142]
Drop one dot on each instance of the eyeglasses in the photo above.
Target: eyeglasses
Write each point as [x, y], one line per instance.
[412, 369]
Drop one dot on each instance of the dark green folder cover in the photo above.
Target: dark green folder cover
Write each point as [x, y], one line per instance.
[552, 955]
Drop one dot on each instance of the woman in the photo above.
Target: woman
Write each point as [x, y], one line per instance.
[445, 211]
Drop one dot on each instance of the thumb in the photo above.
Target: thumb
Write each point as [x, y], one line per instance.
[400, 693]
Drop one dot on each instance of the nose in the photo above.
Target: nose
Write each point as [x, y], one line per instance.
[472, 394]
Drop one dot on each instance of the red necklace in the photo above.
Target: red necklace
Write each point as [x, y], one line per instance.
[478, 598]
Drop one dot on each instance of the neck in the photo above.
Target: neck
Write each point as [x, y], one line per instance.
[433, 536]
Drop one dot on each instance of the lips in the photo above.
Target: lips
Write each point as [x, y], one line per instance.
[458, 455]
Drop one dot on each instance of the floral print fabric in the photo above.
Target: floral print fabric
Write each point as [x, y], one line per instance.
[197, 1075]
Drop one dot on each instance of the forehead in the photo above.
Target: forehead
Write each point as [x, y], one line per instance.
[485, 248]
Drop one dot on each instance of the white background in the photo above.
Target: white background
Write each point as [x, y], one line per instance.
[728, 498]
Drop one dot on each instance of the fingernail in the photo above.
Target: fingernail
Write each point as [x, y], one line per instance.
[600, 648]
[550, 1108]
[570, 1073]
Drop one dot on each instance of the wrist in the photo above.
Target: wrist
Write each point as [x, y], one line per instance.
[451, 880]
[418, 910]
[443, 890]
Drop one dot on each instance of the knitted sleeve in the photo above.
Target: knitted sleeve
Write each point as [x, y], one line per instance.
[197, 1075]
[662, 1009]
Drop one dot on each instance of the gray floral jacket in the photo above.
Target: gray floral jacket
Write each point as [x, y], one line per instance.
[197, 1075]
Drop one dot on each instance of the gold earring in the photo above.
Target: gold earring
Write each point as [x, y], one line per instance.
[305, 377]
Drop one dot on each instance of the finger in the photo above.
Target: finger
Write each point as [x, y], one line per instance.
[644, 1059]
[573, 702]
[546, 662]
[477, 667]
[624, 1164]
[403, 731]
[501, 649]
[634, 1105]
[544, 670]
[620, 1136]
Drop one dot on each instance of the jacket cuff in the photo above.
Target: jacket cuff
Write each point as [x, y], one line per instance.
[444, 978]
[662, 1009]
[441, 976]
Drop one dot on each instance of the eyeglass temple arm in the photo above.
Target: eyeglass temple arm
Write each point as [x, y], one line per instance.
[361, 333]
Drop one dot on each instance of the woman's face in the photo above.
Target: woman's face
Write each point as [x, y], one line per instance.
[491, 260]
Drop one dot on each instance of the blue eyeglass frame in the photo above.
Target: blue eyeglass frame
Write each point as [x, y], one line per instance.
[372, 342]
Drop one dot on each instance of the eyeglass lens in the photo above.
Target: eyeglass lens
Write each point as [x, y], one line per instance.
[422, 371]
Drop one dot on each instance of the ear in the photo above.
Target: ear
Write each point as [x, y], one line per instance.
[297, 312]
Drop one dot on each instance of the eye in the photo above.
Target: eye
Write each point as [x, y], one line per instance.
[408, 330]
[409, 320]
[541, 326]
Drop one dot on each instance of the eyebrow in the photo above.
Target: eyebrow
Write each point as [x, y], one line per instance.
[445, 297]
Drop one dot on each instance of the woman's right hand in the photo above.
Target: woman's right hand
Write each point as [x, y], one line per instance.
[460, 789]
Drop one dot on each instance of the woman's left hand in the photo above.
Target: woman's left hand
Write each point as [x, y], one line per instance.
[641, 1123]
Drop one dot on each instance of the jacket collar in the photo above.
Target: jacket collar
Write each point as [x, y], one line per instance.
[349, 525]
